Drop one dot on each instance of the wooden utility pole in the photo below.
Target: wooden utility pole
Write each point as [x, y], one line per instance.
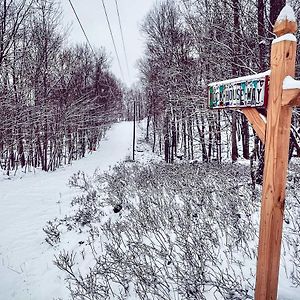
[283, 56]
[133, 134]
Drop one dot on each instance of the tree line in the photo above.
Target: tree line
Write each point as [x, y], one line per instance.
[190, 43]
[56, 100]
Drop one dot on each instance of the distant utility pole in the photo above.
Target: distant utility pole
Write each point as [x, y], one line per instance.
[133, 143]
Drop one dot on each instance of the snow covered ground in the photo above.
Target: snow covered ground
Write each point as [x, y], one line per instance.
[28, 201]
[27, 271]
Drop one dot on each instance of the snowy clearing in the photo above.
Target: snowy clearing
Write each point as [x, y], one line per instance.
[27, 270]
[26, 204]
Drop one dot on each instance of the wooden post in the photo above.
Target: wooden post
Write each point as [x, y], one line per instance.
[283, 55]
[274, 132]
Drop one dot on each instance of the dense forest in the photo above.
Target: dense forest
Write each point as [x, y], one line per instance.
[190, 44]
[56, 101]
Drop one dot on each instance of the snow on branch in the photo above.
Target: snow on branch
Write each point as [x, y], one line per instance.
[290, 83]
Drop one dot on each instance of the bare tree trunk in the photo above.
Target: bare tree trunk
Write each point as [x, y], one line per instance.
[174, 139]
[245, 137]
[218, 138]
[45, 146]
[210, 138]
[21, 148]
[275, 8]
[11, 157]
[184, 135]
[166, 134]
[39, 158]
[235, 41]
[154, 132]
[148, 128]
[261, 35]
[202, 139]
[190, 137]
[234, 148]
[70, 146]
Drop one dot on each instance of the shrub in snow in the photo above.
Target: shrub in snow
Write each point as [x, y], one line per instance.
[184, 232]
[86, 203]
[291, 240]
[52, 232]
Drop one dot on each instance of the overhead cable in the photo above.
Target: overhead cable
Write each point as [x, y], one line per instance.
[112, 38]
[86, 37]
[122, 36]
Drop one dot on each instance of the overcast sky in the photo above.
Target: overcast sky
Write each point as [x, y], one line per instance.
[93, 19]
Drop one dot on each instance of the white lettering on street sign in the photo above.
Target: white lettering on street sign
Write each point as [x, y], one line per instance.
[239, 92]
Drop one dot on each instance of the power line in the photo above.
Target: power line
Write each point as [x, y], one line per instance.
[86, 37]
[112, 38]
[122, 36]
